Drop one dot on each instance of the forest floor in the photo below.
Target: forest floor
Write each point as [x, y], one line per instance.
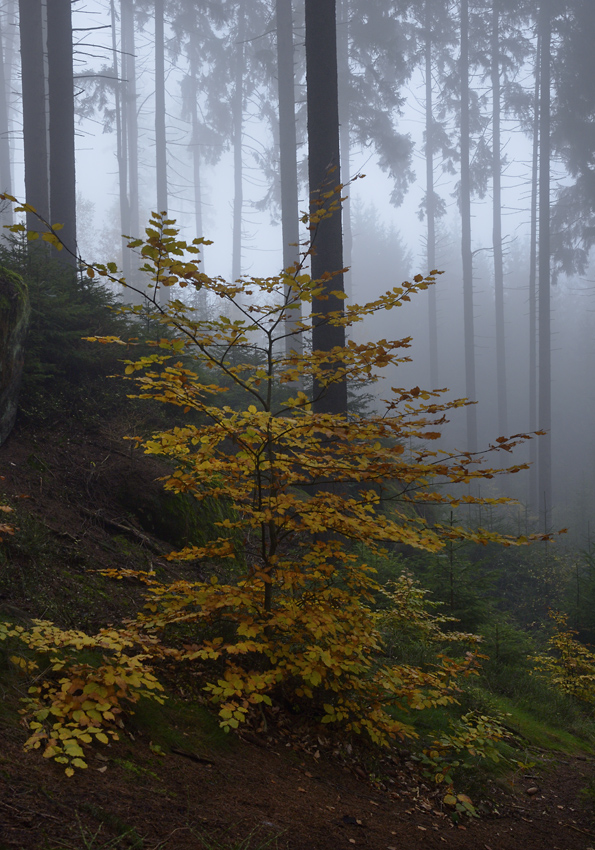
[174, 781]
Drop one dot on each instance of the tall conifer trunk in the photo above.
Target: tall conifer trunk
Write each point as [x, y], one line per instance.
[238, 160]
[288, 157]
[467, 256]
[11, 36]
[431, 200]
[324, 174]
[5, 164]
[120, 147]
[497, 224]
[201, 304]
[533, 486]
[344, 134]
[34, 110]
[61, 106]
[544, 451]
[160, 129]
[196, 158]
[130, 131]
[130, 113]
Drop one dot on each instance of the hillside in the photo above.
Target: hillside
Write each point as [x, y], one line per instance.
[174, 780]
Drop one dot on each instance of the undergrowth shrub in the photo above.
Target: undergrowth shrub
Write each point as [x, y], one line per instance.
[569, 665]
[295, 618]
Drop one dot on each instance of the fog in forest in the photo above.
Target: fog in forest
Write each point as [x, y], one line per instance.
[297, 395]
[443, 109]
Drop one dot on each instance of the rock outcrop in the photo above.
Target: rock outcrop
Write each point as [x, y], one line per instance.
[15, 310]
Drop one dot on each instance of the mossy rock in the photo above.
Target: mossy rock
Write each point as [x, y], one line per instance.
[15, 310]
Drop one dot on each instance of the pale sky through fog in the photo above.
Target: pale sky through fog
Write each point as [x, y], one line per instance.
[97, 170]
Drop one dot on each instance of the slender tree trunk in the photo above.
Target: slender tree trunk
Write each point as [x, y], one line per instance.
[497, 226]
[431, 201]
[11, 37]
[201, 297]
[545, 356]
[344, 75]
[238, 161]
[533, 486]
[61, 102]
[130, 133]
[467, 256]
[10, 46]
[288, 159]
[34, 110]
[324, 174]
[130, 112]
[120, 148]
[196, 158]
[197, 178]
[5, 169]
[160, 131]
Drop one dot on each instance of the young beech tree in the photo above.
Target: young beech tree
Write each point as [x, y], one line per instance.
[293, 617]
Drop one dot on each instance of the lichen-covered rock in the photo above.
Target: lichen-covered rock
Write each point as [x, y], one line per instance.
[15, 310]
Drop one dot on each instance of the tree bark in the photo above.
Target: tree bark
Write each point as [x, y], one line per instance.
[324, 175]
[10, 46]
[196, 158]
[120, 148]
[201, 298]
[130, 112]
[5, 171]
[545, 356]
[431, 201]
[288, 159]
[533, 485]
[344, 74]
[61, 104]
[238, 161]
[130, 134]
[160, 130]
[497, 225]
[34, 110]
[467, 256]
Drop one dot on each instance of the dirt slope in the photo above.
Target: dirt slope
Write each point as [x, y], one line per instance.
[270, 787]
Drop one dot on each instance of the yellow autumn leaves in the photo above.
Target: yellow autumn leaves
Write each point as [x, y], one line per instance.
[293, 614]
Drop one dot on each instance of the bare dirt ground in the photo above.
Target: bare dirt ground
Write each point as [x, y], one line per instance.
[203, 794]
[301, 803]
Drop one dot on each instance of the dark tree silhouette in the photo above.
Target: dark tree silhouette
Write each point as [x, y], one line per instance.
[324, 176]
[160, 128]
[465, 207]
[495, 73]
[61, 129]
[508, 51]
[5, 163]
[437, 36]
[544, 452]
[120, 145]
[431, 199]
[533, 496]
[288, 153]
[237, 110]
[34, 110]
[130, 115]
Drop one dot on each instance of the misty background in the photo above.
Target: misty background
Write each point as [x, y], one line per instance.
[462, 116]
